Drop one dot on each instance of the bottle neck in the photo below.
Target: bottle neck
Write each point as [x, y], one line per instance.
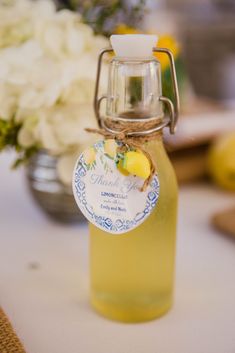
[134, 126]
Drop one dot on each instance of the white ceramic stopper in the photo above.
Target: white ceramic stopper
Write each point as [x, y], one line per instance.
[133, 45]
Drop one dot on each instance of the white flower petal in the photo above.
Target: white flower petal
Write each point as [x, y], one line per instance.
[48, 62]
[46, 134]
[70, 122]
[26, 138]
[8, 102]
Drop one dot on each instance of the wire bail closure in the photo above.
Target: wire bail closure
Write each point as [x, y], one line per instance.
[170, 120]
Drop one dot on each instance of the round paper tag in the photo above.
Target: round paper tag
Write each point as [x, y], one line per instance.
[109, 199]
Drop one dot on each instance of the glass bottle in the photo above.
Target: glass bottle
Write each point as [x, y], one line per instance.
[132, 274]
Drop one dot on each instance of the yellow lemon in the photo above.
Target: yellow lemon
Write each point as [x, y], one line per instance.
[121, 169]
[110, 148]
[221, 161]
[89, 155]
[137, 163]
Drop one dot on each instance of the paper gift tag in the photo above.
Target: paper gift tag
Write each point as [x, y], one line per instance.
[109, 199]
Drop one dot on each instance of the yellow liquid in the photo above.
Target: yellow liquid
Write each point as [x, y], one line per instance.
[132, 274]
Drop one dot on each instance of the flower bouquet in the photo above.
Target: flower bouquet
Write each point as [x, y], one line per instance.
[47, 70]
[47, 78]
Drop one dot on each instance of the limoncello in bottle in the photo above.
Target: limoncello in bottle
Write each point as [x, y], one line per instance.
[133, 227]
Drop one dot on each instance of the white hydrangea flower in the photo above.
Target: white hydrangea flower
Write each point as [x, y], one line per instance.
[64, 35]
[79, 92]
[45, 134]
[8, 101]
[17, 19]
[48, 63]
[25, 138]
[69, 123]
[17, 61]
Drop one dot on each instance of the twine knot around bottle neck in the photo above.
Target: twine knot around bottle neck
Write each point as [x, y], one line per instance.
[122, 131]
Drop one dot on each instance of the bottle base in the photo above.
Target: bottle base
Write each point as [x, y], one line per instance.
[130, 313]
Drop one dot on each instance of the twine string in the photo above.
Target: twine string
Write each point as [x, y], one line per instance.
[135, 142]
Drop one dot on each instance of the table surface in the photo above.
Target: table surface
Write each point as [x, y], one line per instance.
[44, 281]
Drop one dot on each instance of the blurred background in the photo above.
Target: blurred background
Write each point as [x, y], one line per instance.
[204, 28]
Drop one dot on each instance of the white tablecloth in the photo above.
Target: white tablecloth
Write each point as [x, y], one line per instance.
[44, 281]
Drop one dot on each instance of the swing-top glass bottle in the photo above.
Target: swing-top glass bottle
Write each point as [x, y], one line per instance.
[132, 274]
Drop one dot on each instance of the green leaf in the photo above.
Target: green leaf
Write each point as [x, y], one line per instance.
[24, 156]
[9, 130]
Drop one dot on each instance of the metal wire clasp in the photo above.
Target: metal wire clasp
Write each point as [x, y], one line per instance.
[170, 120]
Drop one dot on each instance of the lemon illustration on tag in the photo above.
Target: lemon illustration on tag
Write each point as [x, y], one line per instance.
[110, 148]
[89, 155]
[121, 169]
[137, 163]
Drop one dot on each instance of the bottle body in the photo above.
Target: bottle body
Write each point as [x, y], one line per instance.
[132, 274]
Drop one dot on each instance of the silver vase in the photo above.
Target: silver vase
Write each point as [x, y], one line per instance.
[54, 198]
